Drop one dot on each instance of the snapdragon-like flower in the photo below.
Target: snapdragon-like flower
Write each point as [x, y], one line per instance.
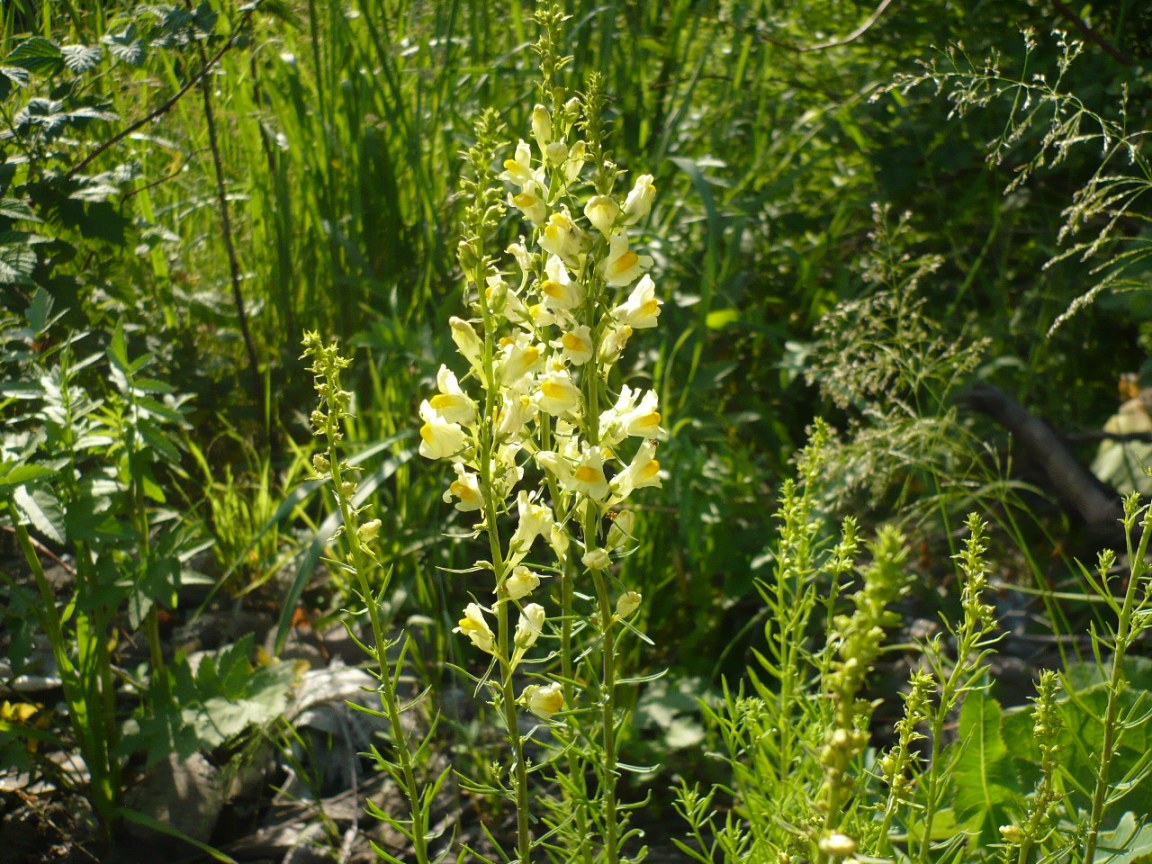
[596, 559]
[584, 475]
[621, 533]
[613, 342]
[439, 439]
[559, 290]
[516, 409]
[530, 202]
[475, 627]
[558, 395]
[519, 357]
[576, 345]
[467, 342]
[622, 267]
[541, 127]
[530, 626]
[465, 489]
[543, 700]
[518, 170]
[639, 201]
[631, 418]
[535, 520]
[521, 583]
[628, 603]
[452, 402]
[602, 211]
[641, 309]
[564, 238]
[642, 471]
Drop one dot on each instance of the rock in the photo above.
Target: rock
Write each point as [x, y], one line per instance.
[187, 795]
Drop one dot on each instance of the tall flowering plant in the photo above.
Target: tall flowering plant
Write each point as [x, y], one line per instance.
[547, 445]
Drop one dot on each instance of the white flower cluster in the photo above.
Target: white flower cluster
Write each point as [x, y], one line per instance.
[551, 326]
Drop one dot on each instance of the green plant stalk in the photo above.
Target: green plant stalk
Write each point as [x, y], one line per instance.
[608, 719]
[1123, 639]
[362, 564]
[504, 654]
[94, 747]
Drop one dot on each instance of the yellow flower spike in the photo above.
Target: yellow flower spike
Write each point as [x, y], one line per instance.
[622, 267]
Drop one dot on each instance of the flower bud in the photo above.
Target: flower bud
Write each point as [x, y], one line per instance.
[347, 489]
[368, 532]
[320, 463]
[530, 625]
[596, 559]
[837, 845]
[628, 603]
[542, 127]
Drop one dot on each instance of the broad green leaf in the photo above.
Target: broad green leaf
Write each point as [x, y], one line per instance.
[81, 58]
[13, 475]
[42, 509]
[16, 208]
[985, 785]
[1128, 843]
[36, 55]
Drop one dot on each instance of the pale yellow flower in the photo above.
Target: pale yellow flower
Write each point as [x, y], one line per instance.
[541, 127]
[521, 583]
[643, 471]
[439, 439]
[602, 211]
[516, 409]
[623, 266]
[530, 626]
[576, 345]
[628, 603]
[543, 701]
[575, 163]
[518, 171]
[518, 357]
[631, 418]
[559, 290]
[596, 559]
[465, 489]
[530, 202]
[558, 395]
[562, 237]
[369, 531]
[467, 342]
[476, 628]
[613, 342]
[622, 531]
[639, 201]
[452, 402]
[641, 309]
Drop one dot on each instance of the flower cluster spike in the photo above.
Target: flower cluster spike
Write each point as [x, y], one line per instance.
[550, 319]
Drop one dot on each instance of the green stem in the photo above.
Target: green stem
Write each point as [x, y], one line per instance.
[363, 562]
[1116, 680]
[607, 698]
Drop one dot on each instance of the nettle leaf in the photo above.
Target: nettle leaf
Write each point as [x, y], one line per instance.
[41, 508]
[985, 785]
[17, 263]
[126, 45]
[14, 475]
[36, 55]
[82, 58]
[16, 208]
